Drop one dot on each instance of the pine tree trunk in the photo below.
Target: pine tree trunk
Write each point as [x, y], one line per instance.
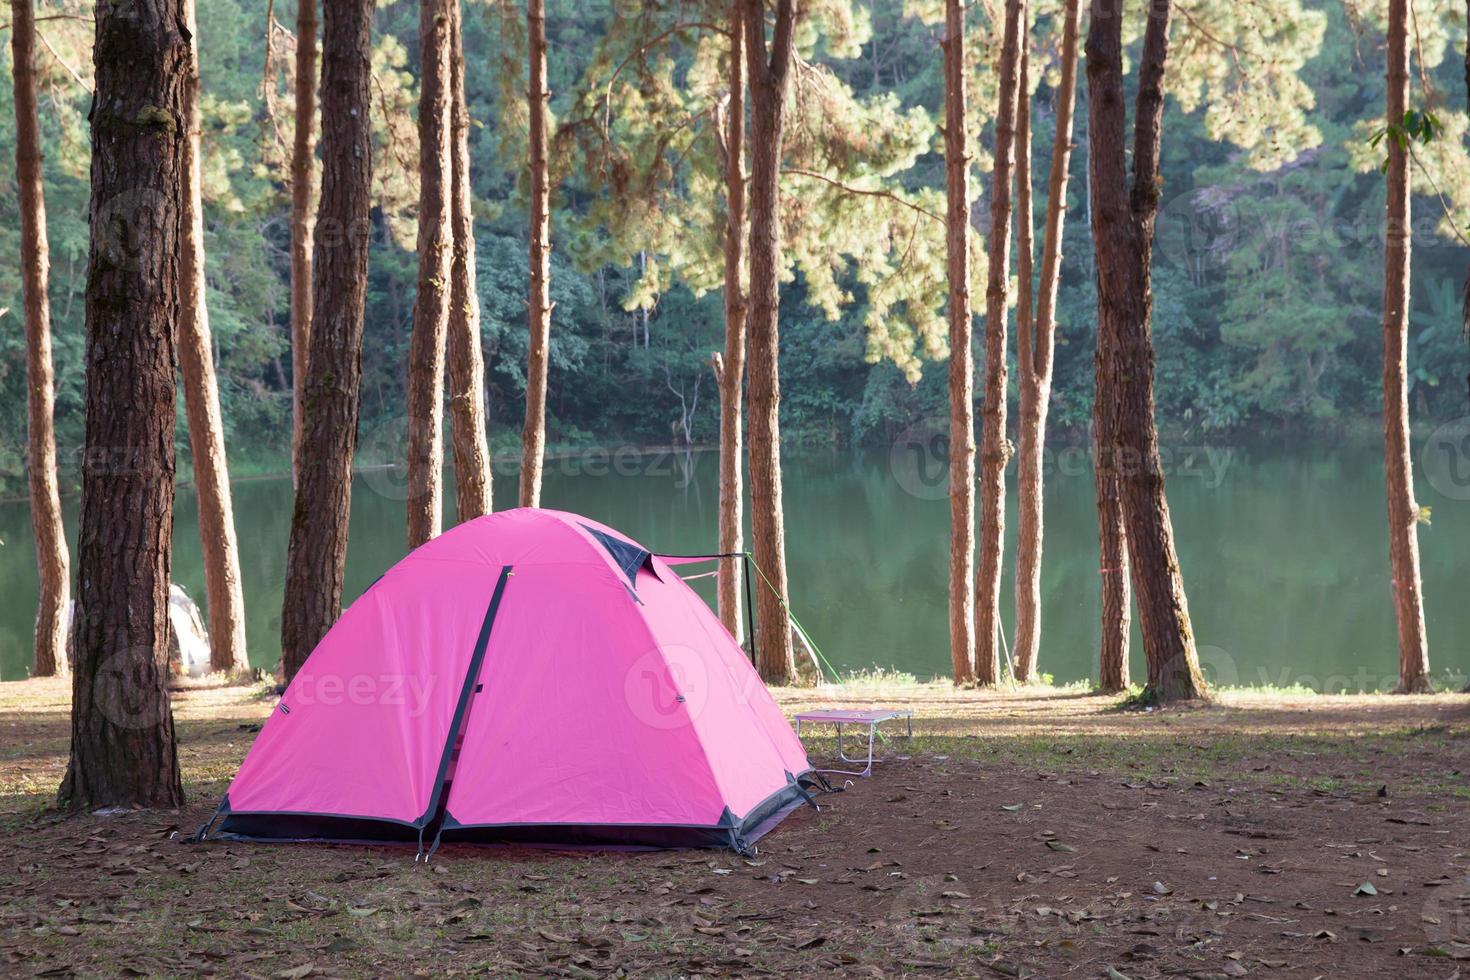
[35, 262]
[1117, 602]
[1123, 225]
[769, 77]
[303, 150]
[227, 649]
[1113, 677]
[995, 448]
[466, 360]
[732, 364]
[431, 301]
[533, 435]
[123, 751]
[1028, 568]
[1035, 364]
[961, 358]
[317, 553]
[1403, 510]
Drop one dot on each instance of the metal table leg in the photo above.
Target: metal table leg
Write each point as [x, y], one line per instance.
[842, 754]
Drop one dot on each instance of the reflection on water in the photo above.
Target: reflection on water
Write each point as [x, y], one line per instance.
[1284, 555]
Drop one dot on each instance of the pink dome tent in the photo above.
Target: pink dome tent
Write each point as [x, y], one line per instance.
[529, 676]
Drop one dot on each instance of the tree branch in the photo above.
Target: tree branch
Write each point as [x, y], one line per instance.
[640, 52]
[42, 20]
[782, 39]
[62, 62]
[863, 191]
[1149, 111]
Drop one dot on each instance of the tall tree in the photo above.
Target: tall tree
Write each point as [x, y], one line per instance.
[466, 361]
[846, 213]
[1403, 510]
[1025, 314]
[1035, 344]
[435, 255]
[1117, 600]
[995, 448]
[1122, 230]
[303, 150]
[226, 606]
[123, 750]
[533, 434]
[35, 262]
[769, 68]
[317, 553]
[730, 368]
[961, 359]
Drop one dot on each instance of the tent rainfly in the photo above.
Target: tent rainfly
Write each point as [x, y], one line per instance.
[529, 676]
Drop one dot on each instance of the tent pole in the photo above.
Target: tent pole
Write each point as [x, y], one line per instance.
[749, 606]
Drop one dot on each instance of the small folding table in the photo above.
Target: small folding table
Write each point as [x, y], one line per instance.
[871, 717]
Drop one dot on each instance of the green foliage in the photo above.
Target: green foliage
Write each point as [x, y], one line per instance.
[1417, 127]
[1266, 260]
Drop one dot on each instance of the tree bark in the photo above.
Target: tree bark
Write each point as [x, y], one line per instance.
[995, 448]
[466, 360]
[1122, 229]
[1113, 567]
[431, 301]
[769, 70]
[317, 553]
[303, 149]
[1403, 509]
[533, 435]
[35, 262]
[1034, 350]
[961, 358]
[123, 751]
[732, 364]
[1028, 569]
[227, 650]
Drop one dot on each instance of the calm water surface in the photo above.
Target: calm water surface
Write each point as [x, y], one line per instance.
[1284, 556]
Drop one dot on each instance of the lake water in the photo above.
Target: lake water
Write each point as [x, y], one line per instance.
[1284, 555]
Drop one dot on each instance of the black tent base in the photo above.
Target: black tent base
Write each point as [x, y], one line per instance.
[306, 828]
[650, 837]
[737, 835]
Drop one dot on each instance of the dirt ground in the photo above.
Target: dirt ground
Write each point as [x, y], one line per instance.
[1026, 834]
